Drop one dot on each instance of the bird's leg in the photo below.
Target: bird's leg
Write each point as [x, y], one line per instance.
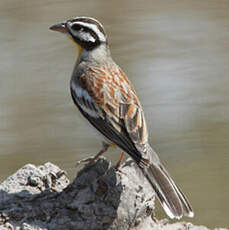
[119, 161]
[101, 152]
[92, 159]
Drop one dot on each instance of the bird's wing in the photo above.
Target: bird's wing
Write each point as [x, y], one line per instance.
[110, 104]
[108, 101]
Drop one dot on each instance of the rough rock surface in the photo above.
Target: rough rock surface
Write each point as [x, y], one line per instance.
[41, 198]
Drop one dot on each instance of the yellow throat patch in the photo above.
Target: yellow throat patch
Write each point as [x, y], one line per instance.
[78, 47]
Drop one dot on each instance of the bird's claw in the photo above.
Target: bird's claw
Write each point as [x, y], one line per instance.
[88, 161]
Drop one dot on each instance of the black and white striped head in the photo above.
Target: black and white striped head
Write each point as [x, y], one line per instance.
[85, 31]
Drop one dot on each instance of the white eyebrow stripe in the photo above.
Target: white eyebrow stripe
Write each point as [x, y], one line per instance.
[92, 27]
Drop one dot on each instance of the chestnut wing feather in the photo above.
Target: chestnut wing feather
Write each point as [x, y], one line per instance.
[112, 107]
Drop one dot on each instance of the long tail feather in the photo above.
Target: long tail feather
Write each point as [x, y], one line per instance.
[172, 199]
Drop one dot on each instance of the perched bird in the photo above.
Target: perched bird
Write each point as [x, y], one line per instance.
[107, 99]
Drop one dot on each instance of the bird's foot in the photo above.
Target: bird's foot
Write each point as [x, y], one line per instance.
[92, 159]
[88, 161]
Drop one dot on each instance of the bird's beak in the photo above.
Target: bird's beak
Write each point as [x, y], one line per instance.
[60, 27]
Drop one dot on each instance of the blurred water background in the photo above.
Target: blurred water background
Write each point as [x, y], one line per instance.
[175, 52]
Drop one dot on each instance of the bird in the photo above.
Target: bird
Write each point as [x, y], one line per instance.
[107, 99]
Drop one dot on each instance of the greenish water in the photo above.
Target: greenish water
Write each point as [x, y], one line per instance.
[175, 52]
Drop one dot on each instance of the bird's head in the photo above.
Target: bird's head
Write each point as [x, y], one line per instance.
[87, 33]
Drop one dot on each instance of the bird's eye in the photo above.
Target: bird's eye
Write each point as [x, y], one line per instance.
[76, 27]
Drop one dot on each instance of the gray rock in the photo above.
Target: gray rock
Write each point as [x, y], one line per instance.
[41, 198]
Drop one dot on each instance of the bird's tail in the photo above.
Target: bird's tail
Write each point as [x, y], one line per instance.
[172, 199]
